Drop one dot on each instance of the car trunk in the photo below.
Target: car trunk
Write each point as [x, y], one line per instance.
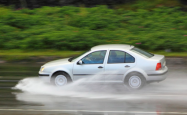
[161, 59]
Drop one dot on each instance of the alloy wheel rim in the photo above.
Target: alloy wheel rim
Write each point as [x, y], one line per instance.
[135, 82]
[60, 80]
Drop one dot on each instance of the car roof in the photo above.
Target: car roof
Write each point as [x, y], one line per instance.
[112, 46]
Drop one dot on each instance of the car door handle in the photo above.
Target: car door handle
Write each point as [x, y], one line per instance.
[127, 66]
[100, 67]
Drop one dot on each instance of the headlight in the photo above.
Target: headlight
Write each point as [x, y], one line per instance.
[42, 69]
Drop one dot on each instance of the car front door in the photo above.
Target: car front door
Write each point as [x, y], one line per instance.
[92, 66]
[117, 64]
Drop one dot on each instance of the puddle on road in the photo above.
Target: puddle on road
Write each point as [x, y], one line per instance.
[166, 95]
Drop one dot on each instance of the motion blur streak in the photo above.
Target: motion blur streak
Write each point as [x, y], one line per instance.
[165, 98]
[140, 112]
[175, 85]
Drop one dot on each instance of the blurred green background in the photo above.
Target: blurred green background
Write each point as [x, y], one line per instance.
[159, 26]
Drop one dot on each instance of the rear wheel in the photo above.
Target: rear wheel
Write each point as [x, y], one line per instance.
[60, 79]
[135, 81]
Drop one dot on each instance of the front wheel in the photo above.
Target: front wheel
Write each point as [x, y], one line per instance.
[60, 79]
[135, 81]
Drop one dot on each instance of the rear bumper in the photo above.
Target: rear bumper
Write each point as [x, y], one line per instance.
[159, 76]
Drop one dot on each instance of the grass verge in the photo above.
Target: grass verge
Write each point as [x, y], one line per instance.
[171, 54]
[19, 55]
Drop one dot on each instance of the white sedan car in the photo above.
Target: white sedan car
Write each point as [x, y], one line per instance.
[114, 63]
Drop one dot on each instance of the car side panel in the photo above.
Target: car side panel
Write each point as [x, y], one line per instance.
[141, 65]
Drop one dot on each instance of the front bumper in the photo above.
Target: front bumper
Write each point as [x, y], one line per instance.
[159, 76]
[44, 77]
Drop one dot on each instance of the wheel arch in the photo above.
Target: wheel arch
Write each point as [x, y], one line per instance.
[58, 71]
[133, 72]
[137, 71]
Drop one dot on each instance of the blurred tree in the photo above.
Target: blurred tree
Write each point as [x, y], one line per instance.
[39, 3]
[23, 3]
[183, 2]
[33, 4]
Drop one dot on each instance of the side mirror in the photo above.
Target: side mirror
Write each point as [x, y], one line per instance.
[79, 62]
[70, 59]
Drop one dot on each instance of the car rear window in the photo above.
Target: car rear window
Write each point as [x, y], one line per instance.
[142, 52]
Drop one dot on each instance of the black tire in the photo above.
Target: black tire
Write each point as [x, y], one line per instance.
[131, 81]
[54, 78]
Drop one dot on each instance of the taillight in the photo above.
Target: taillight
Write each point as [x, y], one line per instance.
[158, 66]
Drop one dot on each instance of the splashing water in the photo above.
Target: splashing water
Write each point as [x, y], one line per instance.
[79, 96]
[172, 85]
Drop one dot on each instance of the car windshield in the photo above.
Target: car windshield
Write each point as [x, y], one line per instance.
[74, 58]
[142, 52]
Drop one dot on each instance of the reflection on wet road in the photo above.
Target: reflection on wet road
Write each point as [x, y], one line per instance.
[32, 96]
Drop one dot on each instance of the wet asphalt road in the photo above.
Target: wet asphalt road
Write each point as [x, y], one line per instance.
[168, 97]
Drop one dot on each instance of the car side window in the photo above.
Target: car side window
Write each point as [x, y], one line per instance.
[116, 56]
[129, 58]
[96, 57]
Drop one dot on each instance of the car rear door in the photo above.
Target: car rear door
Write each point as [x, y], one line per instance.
[117, 64]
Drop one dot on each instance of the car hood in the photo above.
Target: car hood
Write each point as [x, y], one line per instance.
[57, 62]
